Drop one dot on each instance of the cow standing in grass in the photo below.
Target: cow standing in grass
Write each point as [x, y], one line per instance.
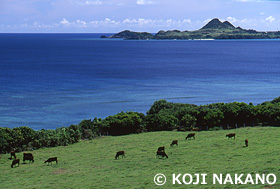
[119, 153]
[191, 135]
[231, 135]
[161, 149]
[13, 154]
[174, 142]
[16, 161]
[246, 142]
[28, 156]
[162, 154]
[50, 160]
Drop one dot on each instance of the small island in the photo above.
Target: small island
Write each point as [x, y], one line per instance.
[215, 29]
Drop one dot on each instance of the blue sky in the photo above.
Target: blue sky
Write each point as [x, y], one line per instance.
[110, 16]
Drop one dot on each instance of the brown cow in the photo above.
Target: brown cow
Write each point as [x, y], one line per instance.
[119, 153]
[246, 142]
[174, 142]
[231, 135]
[161, 148]
[162, 154]
[13, 153]
[191, 135]
[28, 156]
[16, 161]
[50, 160]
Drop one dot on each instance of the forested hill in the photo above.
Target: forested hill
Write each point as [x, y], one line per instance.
[133, 35]
[162, 116]
[217, 24]
[215, 29]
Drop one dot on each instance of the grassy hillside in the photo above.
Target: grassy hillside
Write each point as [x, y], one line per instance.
[91, 164]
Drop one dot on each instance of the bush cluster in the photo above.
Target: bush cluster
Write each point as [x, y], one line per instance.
[162, 116]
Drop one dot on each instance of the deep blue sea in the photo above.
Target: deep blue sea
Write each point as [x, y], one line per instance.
[53, 80]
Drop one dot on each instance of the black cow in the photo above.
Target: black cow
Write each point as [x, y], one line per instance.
[50, 160]
[174, 142]
[13, 153]
[231, 135]
[119, 153]
[191, 135]
[161, 148]
[28, 156]
[246, 142]
[162, 154]
[16, 161]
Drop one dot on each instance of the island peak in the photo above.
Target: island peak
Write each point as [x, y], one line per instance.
[214, 29]
[217, 24]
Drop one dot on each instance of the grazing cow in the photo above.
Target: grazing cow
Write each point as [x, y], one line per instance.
[50, 160]
[119, 153]
[162, 154]
[16, 161]
[191, 135]
[13, 153]
[28, 156]
[173, 143]
[161, 148]
[246, 142]
[231, 135]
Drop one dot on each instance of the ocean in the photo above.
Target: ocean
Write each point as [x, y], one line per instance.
[53, 80]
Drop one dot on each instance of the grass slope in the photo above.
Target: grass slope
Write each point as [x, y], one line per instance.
[91, 164]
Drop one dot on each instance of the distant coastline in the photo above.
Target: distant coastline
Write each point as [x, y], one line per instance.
[215, 29]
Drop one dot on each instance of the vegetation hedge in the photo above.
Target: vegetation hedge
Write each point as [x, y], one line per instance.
[162, 116]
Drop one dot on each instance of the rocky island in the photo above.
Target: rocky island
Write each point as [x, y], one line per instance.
[215, 29]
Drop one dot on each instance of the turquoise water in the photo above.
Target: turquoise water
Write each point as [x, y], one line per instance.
[54, 80]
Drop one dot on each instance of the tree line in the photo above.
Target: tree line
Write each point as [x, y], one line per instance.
[162, 116]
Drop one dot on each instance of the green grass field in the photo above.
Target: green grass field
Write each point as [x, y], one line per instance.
[91, 164]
